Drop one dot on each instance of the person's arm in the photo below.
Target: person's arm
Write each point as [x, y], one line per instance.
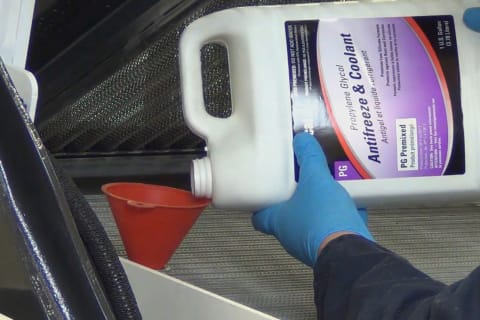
[354, 277]
[357, 279]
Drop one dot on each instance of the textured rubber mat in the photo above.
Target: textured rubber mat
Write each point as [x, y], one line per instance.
[223, 254]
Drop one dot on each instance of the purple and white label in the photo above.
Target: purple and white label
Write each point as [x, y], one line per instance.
[388, 94]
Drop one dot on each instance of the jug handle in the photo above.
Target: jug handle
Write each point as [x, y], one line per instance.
[198, 34]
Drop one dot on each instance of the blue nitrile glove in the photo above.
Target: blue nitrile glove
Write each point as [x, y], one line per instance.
[472, 18]
[319, 207]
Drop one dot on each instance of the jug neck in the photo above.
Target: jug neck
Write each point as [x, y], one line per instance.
[201, 178]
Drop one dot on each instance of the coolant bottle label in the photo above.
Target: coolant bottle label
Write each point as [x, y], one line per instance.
[382, 95]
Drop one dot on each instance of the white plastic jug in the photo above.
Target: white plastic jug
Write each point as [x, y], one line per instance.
[390, 89]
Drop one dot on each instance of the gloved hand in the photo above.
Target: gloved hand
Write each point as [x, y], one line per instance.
[319, 207]
[472, 18]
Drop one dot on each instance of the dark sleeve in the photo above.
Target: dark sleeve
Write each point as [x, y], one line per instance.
[358, 279]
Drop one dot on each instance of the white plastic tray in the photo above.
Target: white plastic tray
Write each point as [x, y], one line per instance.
[160, 296]
[15, 25]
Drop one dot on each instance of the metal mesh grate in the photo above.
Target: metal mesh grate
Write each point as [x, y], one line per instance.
[223, 254]
[138, 107]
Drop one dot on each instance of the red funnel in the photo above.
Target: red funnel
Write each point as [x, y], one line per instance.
[152, 220]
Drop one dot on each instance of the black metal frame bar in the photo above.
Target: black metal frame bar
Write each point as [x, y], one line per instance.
[34, 208]
[90, 173]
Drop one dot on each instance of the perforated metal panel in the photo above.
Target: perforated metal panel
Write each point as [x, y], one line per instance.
[138, 106]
